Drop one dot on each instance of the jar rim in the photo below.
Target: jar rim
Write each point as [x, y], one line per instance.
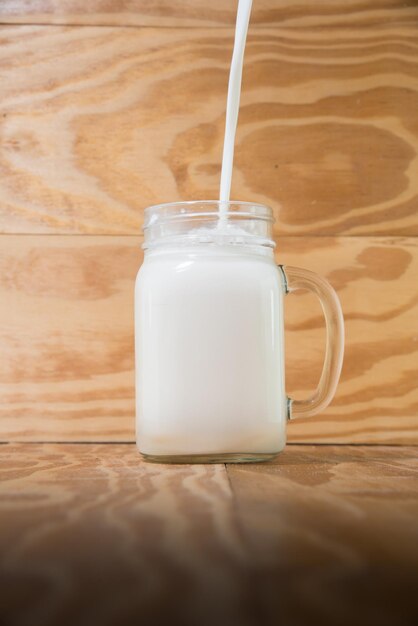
[208, 222]
[189, 208]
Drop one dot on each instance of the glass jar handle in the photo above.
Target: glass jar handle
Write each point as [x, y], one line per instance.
[295, 279]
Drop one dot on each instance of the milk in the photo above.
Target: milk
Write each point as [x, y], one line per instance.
[232, 104]
[209, 322]
[209, 350]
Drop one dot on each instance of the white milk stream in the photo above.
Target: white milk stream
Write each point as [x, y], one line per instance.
[232, 103]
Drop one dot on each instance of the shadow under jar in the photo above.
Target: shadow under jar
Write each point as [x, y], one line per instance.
[209, 336]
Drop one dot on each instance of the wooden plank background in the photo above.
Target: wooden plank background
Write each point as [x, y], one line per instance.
[97, 123]
[68, 374]
[172, 13]
[112, 110]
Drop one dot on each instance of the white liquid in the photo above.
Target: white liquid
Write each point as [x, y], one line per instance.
[232, 105]
[209, 352]
[209, 331]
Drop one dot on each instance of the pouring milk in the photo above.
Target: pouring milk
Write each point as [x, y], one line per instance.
[209, 322]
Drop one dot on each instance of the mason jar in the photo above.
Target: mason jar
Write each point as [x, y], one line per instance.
[209, 335]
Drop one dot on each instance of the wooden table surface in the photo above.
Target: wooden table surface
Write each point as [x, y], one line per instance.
[90, 534]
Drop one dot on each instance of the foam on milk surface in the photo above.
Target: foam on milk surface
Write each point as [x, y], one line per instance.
[221, 232]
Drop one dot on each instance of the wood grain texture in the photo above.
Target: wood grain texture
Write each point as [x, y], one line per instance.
[92, 535]
[66, 338]
[375, 279]
[333, 533]
[342, 13]
[97, 123]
